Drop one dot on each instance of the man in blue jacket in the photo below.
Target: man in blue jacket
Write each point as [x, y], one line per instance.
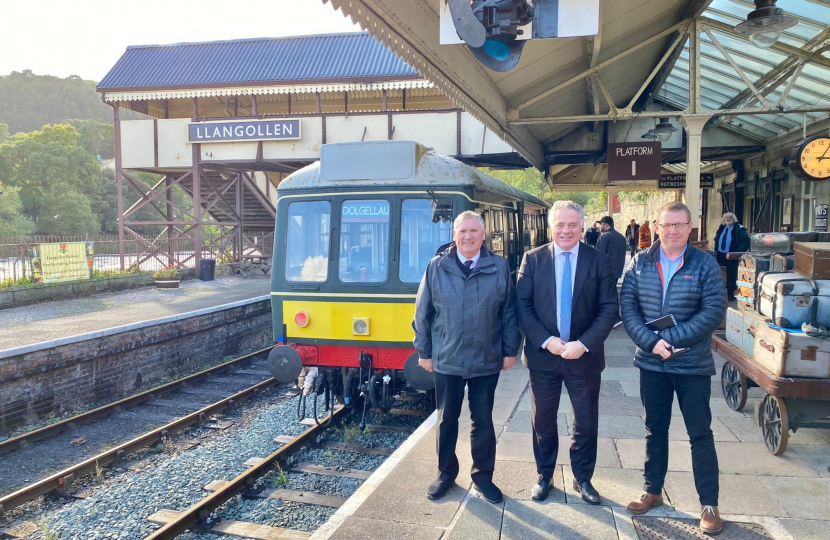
[673, 278]
[466, 332]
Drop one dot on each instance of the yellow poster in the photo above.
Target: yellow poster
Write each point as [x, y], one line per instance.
[64, 261]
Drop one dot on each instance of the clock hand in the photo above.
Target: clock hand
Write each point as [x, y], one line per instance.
[824, 154]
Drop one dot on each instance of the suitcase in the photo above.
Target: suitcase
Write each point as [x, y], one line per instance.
[790, 299]
[823, 237]
[734, 327]
[781, 263]
[751, 265]
[779, 242]
[752, 319]
[745, 302]
[813, 259]
[792, 354]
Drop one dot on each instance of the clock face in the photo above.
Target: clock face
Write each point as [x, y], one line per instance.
[814, 158]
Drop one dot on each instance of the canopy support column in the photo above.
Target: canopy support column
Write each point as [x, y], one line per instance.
[694, 134]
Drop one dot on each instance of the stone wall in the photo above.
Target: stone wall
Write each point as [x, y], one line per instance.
[56, 377]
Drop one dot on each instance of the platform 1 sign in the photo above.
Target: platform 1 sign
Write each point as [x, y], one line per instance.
[62, 261]
[634, 161]
[678, 181]
[254, 130]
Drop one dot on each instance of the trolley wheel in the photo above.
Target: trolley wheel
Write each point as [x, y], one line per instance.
[734, 385]
[774, 424]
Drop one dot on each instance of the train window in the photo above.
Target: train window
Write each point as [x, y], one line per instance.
[307, 249]
[426, 225]
[364, 241]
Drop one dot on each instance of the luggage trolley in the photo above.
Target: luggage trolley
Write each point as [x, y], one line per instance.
[790, 402]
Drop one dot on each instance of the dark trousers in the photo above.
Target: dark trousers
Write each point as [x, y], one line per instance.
[657, 391]
[545, 391]
[633, 247]
[731, 274]
[449, 396]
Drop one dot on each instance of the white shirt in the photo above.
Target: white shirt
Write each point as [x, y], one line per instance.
[559, 269]
[464, 259]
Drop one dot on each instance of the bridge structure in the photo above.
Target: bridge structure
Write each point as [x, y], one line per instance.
[227, 121]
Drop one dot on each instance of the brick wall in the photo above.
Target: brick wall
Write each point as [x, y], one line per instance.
[58, 379]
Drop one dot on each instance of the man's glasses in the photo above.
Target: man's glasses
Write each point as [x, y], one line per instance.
[678, 226]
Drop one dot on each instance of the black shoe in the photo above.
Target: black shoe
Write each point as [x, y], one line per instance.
[490, 492]
[540, 491]
[439, 488]
[587, 491]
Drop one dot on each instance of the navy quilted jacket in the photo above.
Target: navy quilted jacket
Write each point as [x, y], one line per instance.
[696, 297]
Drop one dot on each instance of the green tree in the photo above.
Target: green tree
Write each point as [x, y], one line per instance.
[67, 213]
[12, 221]
[97, 138]
[4, 133]
[529, 180]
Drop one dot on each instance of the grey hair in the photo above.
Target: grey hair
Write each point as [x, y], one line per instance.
[562, 205]
[734, 217]
[467, 215]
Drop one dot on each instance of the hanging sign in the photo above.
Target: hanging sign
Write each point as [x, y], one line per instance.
[254, 130]
[634, 161]
[821, 218]
[678, 181]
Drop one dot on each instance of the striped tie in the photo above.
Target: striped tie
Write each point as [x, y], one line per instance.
[565, 299]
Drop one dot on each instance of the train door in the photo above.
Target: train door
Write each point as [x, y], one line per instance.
[512, 239]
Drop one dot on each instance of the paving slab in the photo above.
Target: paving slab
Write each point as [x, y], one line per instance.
[804, 498]
[738, 494]
[632, 453]
[410, 505]
[719, 408]
[479, 520]
[619, 361]
[630, 388]
[522, 423]
[425, 449]
[744, 428]
[621, 405]
[621, 374]
[806, 529]
[357, 528]
[616, 487]
[816, 455]
[527, 520]
[677, 431]
[519, 447]
[516, 480]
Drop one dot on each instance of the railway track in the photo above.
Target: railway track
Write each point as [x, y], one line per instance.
[29, 445]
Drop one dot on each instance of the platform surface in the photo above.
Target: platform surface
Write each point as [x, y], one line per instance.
[789, 495]
[47, 321]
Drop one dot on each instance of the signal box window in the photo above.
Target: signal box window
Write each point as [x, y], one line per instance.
[307, 249]
[364, 241]
[426, 225]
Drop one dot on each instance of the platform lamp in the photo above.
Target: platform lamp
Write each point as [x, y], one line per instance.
[664, 129]
[764, 25]
[649, 135]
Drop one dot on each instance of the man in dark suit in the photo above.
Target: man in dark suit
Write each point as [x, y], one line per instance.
[613, 245]
[730, 238]
[566, 298]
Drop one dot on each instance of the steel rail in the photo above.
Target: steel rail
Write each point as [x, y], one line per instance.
[202, 509]
[68, 475]
[14, 443]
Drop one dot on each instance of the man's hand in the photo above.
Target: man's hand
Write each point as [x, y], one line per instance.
[555, 346]
[573, 350]
[663, 349]
[425, 363]
[509, 362]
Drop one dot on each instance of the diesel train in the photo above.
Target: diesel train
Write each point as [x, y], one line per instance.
[354, 234]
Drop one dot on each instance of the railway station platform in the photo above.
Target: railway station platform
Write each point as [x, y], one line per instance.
[788, 496]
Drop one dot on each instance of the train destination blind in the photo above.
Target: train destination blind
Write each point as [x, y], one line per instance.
[254, 130]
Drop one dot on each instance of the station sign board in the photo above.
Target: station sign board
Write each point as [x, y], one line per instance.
[634, 161]
[678, 181]
[821, 218]
[61, 261]
[246, 130]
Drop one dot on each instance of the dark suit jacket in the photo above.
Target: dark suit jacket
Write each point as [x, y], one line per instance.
[595, 308]
[614, 246]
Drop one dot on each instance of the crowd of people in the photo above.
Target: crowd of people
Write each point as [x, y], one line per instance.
[469, 319]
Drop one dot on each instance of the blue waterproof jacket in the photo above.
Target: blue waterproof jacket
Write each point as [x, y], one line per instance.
[696, 296]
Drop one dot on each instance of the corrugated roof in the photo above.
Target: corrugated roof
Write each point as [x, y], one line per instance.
[301, 58]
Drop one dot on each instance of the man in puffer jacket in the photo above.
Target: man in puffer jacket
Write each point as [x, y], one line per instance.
[673, 278]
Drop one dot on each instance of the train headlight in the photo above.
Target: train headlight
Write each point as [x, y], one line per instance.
[360, 326]
[301, 319]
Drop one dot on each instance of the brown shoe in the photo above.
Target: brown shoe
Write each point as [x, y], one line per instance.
[644, 503]
[710, 522]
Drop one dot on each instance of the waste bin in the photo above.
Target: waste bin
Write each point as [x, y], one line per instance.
[207, 267]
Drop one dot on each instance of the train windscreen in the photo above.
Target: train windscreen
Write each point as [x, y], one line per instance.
[364, 241]
[307, 250]
[426, 224]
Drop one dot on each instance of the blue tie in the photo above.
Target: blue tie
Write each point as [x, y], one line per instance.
[565, 299]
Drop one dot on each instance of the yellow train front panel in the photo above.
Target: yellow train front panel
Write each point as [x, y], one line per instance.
[349, 321]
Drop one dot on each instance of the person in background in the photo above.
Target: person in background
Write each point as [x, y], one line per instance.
[632, 236]
[730, 238]
[592, 235]
[645, 236]
[674, 278]
[613, 245]
[655, 233]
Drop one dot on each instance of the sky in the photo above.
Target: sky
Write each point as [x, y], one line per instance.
[87, 37]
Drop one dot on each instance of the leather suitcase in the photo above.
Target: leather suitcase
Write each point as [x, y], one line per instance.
[751, 265]
[779, 242]
[745, 302]
[792, 354]
[781, 263]
[746, 289]
[823, 237]
[734, 327]
[790, 299]
[813, 259]
[752, 319]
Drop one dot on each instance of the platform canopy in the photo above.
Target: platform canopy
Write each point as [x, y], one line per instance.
[650, 57]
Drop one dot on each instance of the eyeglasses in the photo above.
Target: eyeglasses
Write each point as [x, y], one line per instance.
[678, 226]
